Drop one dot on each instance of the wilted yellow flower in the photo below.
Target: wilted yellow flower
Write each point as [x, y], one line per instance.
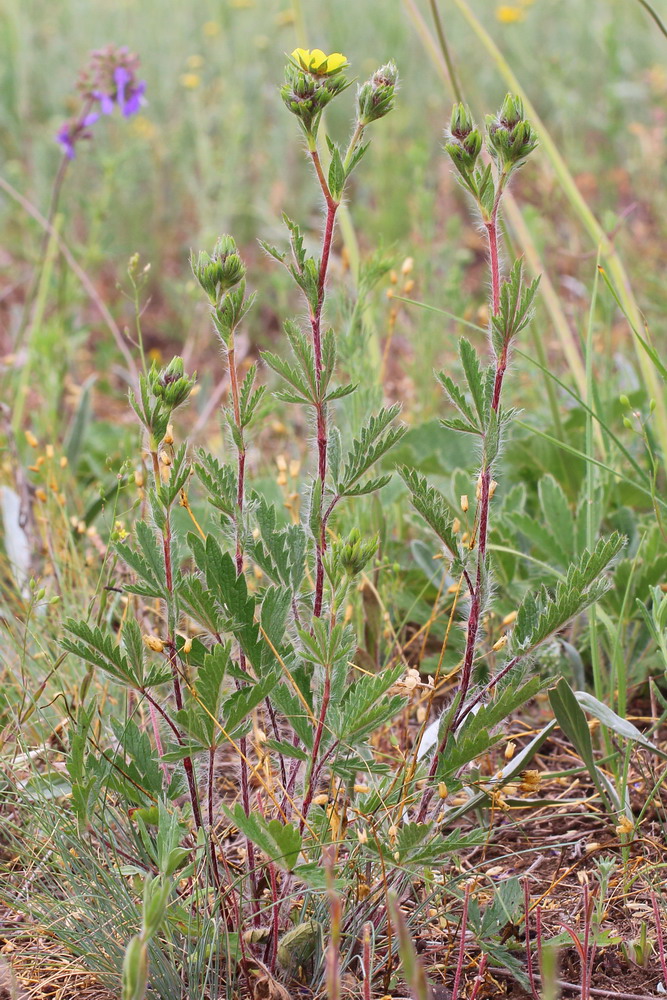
[154, 642]
[194, 62]
[508, 14]
[625, 825]
[317, 62]
[190, 80]
[530, 782]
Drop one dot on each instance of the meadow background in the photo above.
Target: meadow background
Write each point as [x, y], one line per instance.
[214, 151]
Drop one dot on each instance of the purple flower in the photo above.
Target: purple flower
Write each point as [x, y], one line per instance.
[66, 140]
[71, 131]
[122, 78]
[135, 99]
[106, 101]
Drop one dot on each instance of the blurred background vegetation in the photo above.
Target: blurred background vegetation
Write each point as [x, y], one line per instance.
[214, 151]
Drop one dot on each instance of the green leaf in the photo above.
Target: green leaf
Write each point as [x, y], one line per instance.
[615, 722]
[336, 174]
[375, 439]
[543, 614]
[280, 842]
[475, 378]
[433, 507]
[100, 649]
[572, 721]
[239, 705]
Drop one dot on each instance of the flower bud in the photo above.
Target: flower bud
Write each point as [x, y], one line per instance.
[463, 139]
[306, 94]
[510, 137]
[219, 272]
[172, 385]
[375, 98]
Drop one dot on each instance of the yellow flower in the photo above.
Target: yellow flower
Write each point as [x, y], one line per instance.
[190, 80]
[316, 62]
[194, 62]
[211, 29]
[508, 14]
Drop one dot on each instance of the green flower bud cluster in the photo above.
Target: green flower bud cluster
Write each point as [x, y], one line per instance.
[355, 554]
[375, 98]
[219, 272]
[306, 95]
[510, 137]
[222, 276]
[160, 392]
[171, 384]
[463, 139]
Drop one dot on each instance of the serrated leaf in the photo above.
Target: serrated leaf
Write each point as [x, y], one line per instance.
[433, 507]
[375, 439]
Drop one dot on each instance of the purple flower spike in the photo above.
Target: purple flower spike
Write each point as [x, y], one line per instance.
[122, 78]
[65, 139]
[135, 99]
[106, 101]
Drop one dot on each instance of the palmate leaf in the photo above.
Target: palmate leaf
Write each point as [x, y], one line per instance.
[494, 713]
[200, 603]
[418, 846]
[375, 439]
[516, 300]
[479, 383]
[433, 507]
[147, 561]
[467, 421]
[219, 482]
[543, 614]
[231, 593]
[100, 649]
[363, 699]
[208, 686]
[280, 552]
[291, 706]
[280, 842]
[249, 397]
[300, 391]
[239, 705]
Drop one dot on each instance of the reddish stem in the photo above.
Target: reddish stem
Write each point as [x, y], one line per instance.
[320, 406]
[310, 791]
[462, 946]
[659, 938]
[472, 629]
[366, 960]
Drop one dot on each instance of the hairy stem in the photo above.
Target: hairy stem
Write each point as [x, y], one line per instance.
[171, 642]
[483, 511]
[310, 790]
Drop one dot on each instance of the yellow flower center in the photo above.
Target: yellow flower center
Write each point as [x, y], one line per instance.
[316, 62]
